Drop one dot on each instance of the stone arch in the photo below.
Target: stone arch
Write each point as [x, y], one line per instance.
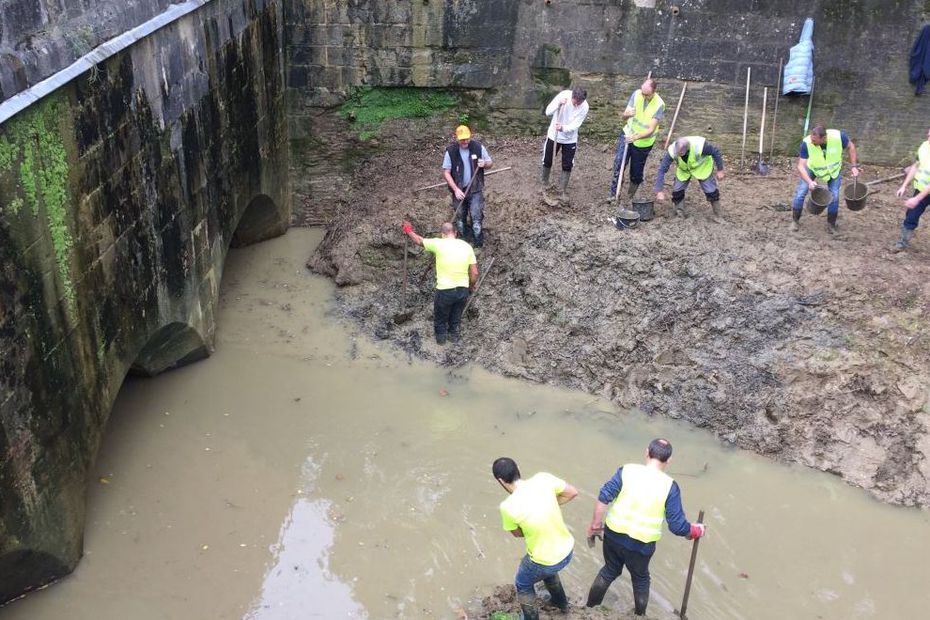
[175, 344]
[262, 219]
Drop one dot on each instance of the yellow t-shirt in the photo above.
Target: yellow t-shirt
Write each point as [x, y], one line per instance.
[453, 258]
[533, 508]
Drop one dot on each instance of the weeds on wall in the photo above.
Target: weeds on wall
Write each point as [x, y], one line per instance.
[368, 107]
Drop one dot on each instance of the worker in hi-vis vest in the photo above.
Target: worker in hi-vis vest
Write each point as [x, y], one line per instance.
[644, 110]
[820, 161]
[630, 510]
[694, 157]
[919, 175]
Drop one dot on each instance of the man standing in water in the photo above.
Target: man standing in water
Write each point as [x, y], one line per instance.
[456, 274]
[532, 512]
[636, 501]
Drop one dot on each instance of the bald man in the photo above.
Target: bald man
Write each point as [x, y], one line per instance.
[693, 157]
[456, 275]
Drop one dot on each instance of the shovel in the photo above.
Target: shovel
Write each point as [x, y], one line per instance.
[742, 151]
[484, 274]
[761, 167]
[405, 314]
[694, 549]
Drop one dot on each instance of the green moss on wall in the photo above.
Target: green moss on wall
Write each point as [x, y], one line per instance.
[368, 107]
[33, 140]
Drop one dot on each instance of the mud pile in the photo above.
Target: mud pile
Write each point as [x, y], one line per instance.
[804, 347]
[502, 604]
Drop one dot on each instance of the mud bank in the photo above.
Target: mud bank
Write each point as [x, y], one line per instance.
[803, 347]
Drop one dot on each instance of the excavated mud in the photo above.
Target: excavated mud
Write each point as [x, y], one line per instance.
[801, 346]
[502, 604]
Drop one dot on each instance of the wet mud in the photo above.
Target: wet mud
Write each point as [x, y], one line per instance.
[805, 347]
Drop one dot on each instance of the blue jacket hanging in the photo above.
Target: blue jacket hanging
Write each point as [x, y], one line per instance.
[920, 60]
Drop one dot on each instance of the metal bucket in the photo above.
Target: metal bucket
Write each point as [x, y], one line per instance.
[645, 208]
[855, 195]
[819, 199]
[626, 219]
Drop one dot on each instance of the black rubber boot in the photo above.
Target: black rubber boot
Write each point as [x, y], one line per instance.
[680, 209]
[479, 239]
[597, 592]
[640, 601]
[795, 220]
[563, 186]
[632, 191]
[905, 239]
[544, 177]
[528, 606]
[831, 222]
[556, 592]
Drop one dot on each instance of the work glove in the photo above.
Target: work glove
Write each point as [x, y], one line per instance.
[697, 530]
[407, 228]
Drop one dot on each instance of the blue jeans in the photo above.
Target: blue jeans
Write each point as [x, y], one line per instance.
[802, 190]
[912, 216]
[529, 573]
[637, 162]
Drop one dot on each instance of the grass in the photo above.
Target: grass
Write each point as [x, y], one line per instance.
[369, 107]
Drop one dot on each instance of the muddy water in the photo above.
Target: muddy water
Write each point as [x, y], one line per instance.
[302, 472]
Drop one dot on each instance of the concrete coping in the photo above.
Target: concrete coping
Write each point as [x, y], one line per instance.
[22, 100]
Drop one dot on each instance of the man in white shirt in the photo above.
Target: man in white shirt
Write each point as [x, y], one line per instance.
[568, 110]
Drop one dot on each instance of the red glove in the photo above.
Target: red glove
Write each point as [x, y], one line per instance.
[407, 228]
[697, 530]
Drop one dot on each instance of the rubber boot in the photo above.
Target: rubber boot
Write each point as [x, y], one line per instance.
[547, 198]
[544, 178]
[563, 187]
[680, 209]
[528, 606]
[479, 239]
[556, 592]
[795, 220]
[597, 592]
[906, 236]
[640, 601]
[716, 210]
[831, 223]
[632, 191]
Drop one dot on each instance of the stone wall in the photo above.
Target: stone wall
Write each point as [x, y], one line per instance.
[40, 37]
[120, 195]
[522, 51]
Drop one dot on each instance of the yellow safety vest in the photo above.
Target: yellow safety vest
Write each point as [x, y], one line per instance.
[693, 164]
[922, 176]
[826, 165]
[642, 116]
[639, 510]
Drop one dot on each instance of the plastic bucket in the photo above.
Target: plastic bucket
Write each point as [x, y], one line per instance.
[819, 199]
[855, 195]
[627, 219]
[645, 208]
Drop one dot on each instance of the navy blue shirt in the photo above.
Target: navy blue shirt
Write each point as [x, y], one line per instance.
[803, 154]
[674, 515]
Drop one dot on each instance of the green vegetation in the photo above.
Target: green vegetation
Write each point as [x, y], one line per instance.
[32, 139]
[368, 107]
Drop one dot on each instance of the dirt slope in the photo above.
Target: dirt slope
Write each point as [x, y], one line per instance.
[800, 346]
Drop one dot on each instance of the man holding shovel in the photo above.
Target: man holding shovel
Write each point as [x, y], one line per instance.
[463, 167]
[636, 501]
[821, 159]
[694, 157]
[644, 110]
[456, 274]
[919, 175]
[568, 110]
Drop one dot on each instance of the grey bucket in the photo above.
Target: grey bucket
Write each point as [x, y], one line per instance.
[645, 208]
[855, 195]
[819, 199]
[627, 219]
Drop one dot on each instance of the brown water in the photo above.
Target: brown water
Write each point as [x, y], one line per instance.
[304, 473]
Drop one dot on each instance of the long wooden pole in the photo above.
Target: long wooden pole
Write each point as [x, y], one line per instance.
[626, 151]
[775, 113]
[671, 128]
[444, 184]
[742, 152]
[484, 273]
[694, 548]
[886, 179]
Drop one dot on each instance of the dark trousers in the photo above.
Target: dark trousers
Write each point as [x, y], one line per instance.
[912, 216]
[637, 156]
[616, 556]
[448, 305]
[568, 154]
